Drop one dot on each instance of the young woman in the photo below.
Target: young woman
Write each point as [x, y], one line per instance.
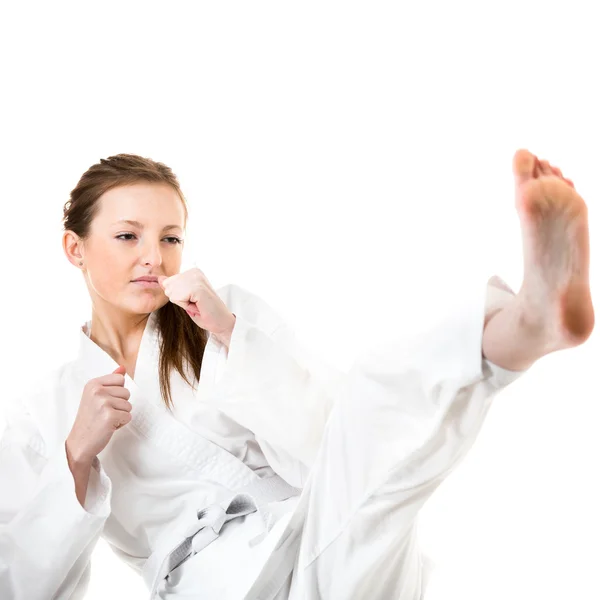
[215, 455]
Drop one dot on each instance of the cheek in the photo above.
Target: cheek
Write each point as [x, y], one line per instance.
[172, 261]
[104, 282]
[109, 270]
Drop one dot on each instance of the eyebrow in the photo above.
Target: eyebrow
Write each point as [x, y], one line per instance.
[140, 226]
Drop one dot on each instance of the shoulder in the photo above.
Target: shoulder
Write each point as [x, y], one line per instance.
[250, 306]
[43, 411]
[235, 295]
[48, 384]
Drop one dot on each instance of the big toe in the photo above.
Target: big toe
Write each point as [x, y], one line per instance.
[524, 164]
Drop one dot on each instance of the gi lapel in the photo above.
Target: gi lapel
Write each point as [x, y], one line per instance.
[152, 422]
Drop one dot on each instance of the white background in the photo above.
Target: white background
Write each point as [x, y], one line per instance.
[351, 164]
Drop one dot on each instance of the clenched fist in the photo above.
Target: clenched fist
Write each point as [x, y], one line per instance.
[104, 408]
[192, 291]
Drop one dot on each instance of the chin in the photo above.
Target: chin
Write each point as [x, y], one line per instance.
[144, 306]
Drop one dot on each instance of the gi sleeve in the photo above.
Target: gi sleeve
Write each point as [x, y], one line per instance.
[269, 383]
[46, 536]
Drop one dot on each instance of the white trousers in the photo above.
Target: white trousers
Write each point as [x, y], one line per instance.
[409, 414]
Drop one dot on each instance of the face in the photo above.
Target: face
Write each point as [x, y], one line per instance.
[136, 233]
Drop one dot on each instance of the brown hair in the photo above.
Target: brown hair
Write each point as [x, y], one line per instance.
[182, 342]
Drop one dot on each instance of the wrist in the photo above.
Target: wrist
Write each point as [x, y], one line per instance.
[225, 336]
[75, 459]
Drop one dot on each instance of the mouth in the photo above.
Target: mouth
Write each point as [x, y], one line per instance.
[147, 282]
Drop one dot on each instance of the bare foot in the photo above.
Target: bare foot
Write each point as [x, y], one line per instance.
[555, 293]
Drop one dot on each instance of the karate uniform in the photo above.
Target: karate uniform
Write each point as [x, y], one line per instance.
[364, 450]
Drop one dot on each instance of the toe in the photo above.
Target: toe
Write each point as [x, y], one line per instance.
[545, 167]
[524, 164]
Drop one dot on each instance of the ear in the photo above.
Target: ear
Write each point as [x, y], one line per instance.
[73, 248]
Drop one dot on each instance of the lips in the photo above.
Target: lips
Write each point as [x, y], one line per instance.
[148, 279]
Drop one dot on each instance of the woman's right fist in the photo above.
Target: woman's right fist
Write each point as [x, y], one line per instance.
[104, 407]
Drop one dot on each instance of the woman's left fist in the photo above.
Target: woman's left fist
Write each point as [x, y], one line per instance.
[192, 291]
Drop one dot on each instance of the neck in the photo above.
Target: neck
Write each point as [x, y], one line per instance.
[117, 332]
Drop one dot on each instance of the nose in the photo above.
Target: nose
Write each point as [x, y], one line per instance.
[151, 255]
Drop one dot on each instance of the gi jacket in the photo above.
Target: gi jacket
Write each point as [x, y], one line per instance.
[260, 408]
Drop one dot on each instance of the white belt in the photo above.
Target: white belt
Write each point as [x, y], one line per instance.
[169, 554]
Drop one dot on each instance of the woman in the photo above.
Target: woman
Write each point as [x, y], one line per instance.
[215, 455]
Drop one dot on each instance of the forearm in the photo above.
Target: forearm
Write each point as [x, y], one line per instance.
[81, 474]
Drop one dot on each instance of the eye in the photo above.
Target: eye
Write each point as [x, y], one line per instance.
[126, 237]
[174, 240]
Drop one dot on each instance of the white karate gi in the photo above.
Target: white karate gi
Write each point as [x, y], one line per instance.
[368, 448]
